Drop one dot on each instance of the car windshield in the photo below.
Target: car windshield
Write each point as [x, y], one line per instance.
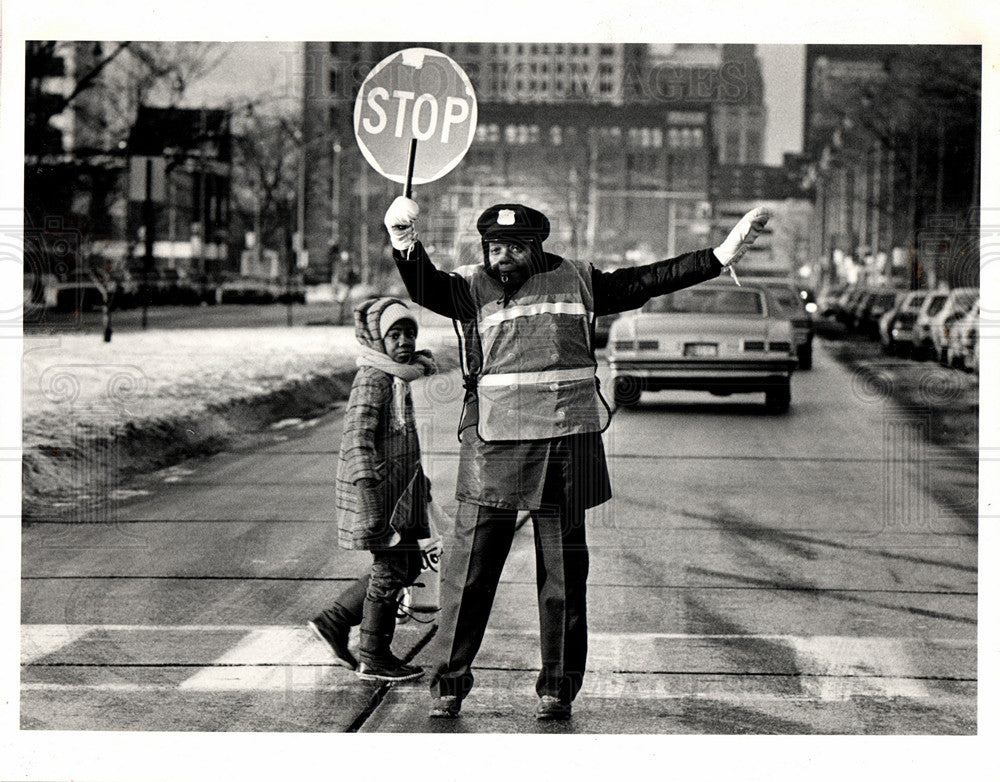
[714, 301]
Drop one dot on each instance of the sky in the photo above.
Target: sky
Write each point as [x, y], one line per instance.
[269, 69]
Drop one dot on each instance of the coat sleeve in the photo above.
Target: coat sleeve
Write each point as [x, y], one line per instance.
[445, 293]
[363, 427]
[631, 287]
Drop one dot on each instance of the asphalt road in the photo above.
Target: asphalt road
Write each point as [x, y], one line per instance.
[753, 574]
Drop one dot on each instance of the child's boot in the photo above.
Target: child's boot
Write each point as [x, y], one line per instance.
[378, 663]
[334, 625]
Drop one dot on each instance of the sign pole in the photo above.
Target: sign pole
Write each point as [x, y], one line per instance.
[408, 187]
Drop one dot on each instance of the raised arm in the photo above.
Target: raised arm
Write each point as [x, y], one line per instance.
[445, 293]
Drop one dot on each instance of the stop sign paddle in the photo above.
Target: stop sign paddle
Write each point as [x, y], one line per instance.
[415, 95]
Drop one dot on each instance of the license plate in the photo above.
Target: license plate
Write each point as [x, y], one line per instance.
[701, 349]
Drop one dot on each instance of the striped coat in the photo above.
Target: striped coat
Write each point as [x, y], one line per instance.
[374, 447]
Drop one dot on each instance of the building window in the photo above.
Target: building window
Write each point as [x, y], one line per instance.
[733, 146]
[607, 51]
[334, 81]
[555, 135]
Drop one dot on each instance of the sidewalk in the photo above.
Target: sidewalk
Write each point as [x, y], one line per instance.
[151, 399]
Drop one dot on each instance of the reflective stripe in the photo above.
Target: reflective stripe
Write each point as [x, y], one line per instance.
[526, 378]
[526, 310]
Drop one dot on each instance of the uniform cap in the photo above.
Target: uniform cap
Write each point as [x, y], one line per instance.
[513, 221]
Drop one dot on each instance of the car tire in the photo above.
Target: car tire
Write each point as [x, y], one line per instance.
[626, 391]
[778, 397]
[806, 356]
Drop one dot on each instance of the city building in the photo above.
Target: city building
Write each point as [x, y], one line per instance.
[95, 157]
[616, 141]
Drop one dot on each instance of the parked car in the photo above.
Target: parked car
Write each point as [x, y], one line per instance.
[921, 335]
[245, 290]
[793, 306]
[957, 304]
[872, 307]
[896, 325]
[962, 336]
[716, 338]
[970, 343]
[843, 308]
[827, 299]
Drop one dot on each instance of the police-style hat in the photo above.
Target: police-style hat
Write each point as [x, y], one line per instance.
[513, 222]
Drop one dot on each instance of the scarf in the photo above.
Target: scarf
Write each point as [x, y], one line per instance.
[421, 364]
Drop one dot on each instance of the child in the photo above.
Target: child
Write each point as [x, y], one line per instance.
[382, 493]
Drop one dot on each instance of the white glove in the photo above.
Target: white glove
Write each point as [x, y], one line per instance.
[399, 222]
[742, 236]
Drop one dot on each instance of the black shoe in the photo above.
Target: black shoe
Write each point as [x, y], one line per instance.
[334, 635]
[445, 707]
[551, 708]
[389, 670]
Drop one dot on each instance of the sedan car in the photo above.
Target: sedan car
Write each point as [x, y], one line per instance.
[957, 304]
[921, 332]
[710, 337]
[963, 334]
[896, 325]
[873, 308]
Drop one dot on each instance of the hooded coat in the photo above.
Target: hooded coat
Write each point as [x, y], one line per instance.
[374, 445]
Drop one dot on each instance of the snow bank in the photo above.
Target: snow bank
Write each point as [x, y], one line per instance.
[98, 412]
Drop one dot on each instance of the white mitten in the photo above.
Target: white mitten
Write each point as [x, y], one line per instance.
[399, 222]
[742, 236]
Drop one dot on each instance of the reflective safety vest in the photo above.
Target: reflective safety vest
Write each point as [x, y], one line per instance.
[538, 378]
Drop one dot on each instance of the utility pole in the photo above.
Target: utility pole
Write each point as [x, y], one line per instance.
[148, 221]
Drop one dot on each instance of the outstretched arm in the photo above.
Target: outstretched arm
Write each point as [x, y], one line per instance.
[631, 287]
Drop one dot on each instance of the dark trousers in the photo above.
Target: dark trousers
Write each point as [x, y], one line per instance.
[392, 569]
[472, 564]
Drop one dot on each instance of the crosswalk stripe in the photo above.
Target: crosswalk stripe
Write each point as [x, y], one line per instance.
[38, 641]
[288, 647]
[287, 658]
